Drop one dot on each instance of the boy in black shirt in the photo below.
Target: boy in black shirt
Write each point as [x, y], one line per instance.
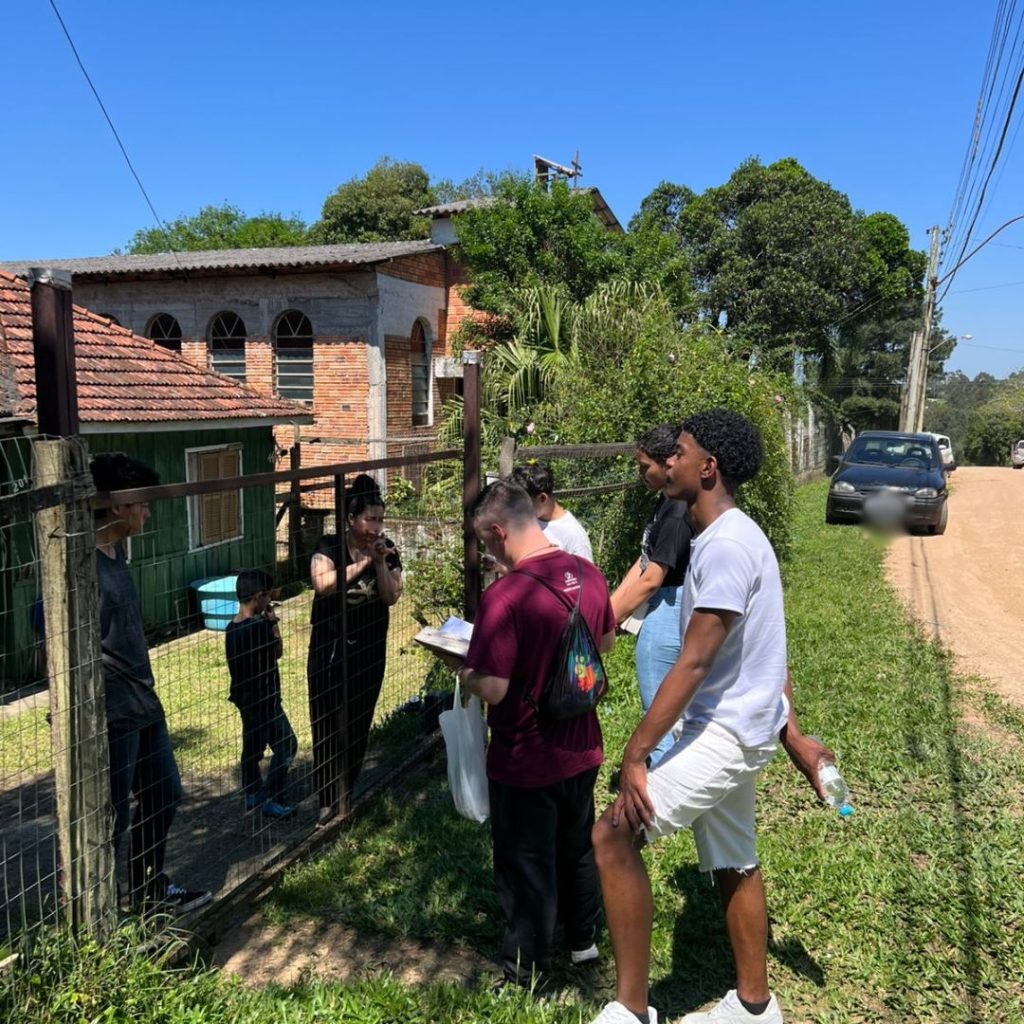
[253, 646]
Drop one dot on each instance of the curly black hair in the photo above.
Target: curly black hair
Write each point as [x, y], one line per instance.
[534, 478]
[659, 443]
[732, 439]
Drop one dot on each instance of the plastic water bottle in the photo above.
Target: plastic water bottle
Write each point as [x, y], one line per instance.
[837, 795]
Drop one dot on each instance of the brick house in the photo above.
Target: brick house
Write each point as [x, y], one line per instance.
[358, 333]
[186, 422]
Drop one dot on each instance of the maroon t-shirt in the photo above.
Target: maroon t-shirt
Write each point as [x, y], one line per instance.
[516, 637]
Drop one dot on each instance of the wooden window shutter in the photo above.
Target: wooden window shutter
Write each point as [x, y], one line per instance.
[219, 515]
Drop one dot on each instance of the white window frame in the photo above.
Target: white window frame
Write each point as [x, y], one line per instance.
[428, 358]
[192, 502]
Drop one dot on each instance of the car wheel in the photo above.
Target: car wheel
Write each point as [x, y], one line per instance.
[940, 527]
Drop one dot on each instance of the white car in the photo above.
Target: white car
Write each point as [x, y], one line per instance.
[1017, 455]
[946, 451]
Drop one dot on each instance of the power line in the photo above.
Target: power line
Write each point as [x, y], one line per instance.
[987, 287]
[117, 137]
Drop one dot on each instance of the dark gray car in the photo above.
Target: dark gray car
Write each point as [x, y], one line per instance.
[893, 478]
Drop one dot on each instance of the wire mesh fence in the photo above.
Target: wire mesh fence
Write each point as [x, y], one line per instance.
[227, 766]
[277, 685]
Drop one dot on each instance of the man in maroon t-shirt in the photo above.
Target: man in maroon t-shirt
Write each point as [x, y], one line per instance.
[541, 771]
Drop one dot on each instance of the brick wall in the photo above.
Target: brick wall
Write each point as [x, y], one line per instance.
[429, 268]
[195, 352]
[259, 364]
[398, 359]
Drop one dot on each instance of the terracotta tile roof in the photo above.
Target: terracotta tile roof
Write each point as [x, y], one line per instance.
[123, 378]
[300, 256]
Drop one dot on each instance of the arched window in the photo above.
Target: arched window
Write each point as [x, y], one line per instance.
[165, 331]
[293, 343]
[227, 345]
[419, 365]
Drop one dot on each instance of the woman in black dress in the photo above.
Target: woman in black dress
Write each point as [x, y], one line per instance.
[353, 665]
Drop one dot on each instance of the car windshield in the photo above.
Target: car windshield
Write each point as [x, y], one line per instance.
[1020, 446]
[907, 452]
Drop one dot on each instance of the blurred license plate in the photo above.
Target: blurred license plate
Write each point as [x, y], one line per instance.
[885, 507]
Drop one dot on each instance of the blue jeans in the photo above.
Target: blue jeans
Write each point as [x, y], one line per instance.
[264, 724]
[657, 648]
[142, 763]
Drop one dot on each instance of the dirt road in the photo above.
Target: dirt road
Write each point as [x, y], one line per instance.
[967, 587]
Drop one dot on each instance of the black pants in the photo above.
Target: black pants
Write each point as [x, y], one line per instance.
[544, 870]
[142, 764]
[264, 724]
[337, 723]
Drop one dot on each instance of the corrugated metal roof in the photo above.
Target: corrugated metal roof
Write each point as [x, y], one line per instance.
[355, 254]
[123, 378]
[459, 206]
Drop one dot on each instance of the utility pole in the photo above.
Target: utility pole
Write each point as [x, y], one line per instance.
[921, 379]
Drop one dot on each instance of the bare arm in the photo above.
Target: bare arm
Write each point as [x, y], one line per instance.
[636, 588]
[490, 689]
[324, 573]
[389, 581]
[806, 753]
[704, 637]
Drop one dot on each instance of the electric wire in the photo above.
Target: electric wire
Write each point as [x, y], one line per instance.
[110, 123]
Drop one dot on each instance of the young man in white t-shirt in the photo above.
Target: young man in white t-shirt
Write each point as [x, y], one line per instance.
[560, 526]
[725, 696]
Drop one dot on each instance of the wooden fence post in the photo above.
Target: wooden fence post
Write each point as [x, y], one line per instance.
[506, 457]
[81, 765]
[471, 366]
[295, 510]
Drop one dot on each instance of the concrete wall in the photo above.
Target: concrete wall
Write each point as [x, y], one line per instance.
[810, 443]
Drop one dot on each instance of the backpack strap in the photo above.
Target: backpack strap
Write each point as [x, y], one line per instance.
[561, 597]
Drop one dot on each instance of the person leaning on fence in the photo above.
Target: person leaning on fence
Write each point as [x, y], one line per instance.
[560, 526]
[373, 582]
[654, 584]
[726, 691]
[541, 772]
[141, 759]
[253, 647]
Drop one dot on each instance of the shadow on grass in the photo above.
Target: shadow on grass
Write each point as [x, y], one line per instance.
[702, 963]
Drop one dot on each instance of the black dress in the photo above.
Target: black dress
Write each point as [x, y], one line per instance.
[352, 666]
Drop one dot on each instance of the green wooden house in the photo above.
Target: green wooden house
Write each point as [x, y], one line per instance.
[186, 422]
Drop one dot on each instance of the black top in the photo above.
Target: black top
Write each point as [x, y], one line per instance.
[252, 652]
[131, 699]
[366, 617]
[666, 540]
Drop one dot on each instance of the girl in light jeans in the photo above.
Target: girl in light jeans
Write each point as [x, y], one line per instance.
[647, 601]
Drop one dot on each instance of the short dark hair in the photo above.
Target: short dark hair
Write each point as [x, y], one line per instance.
[534, 478]
[362, 494]
[732, 439]
[503, 501]
[659, 443]
[115, 471]
[251, 582]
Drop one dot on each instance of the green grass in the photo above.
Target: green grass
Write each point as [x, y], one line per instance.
[192, 680]
[912, 910]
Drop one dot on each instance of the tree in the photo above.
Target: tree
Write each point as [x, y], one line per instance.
[530, 236]
[996, 424]
[378, 207]
[220, 227]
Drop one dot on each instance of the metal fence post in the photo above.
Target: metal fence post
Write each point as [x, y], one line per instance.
[341, 723]
[471, 367]
[294, 509]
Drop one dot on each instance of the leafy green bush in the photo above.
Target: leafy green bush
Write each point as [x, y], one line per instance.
[635, 374]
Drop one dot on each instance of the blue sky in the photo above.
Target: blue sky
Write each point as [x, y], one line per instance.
[270, 106]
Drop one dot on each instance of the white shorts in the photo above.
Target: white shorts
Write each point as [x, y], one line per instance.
[707, 782]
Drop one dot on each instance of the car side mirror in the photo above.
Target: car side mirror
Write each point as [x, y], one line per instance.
[833, 463]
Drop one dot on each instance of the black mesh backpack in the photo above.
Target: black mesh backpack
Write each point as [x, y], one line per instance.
[577, 680]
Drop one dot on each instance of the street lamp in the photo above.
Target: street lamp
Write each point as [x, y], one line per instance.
[959, 337]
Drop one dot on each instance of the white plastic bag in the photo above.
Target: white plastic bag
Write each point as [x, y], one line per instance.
[465, 733]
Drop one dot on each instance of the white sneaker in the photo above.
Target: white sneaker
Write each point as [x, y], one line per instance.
[583, 956]
[616, 1013]
[731, 1011]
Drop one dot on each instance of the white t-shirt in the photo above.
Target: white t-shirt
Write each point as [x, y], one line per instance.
[568, 534]
[733, 568]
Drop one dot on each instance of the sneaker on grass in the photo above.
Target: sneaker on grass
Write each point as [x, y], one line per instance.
[180, 900]
[272, 809]
[577, 957]
[616, 1013]
[731, 1011]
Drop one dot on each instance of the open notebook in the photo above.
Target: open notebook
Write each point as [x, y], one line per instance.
[452, 637]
